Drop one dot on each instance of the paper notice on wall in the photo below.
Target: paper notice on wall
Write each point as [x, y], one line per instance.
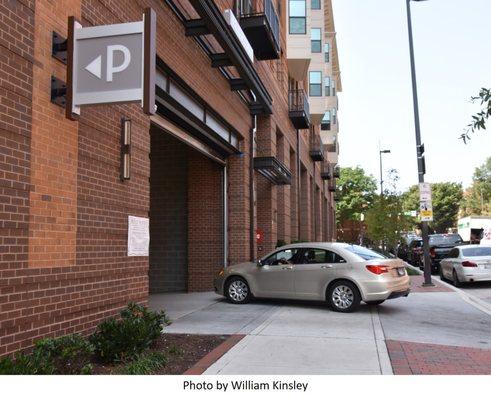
[138, 236]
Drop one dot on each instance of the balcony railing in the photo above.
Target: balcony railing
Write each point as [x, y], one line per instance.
[326, 170]
[273, 170]
[336, 172]
[262, 27]
[299, 109]
[316, 150]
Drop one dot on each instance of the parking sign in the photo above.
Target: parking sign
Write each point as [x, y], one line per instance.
[111, 64]
[425, 203]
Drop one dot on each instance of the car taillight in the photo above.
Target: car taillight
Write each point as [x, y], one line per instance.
[468, 264]
[432, 253]
[377, 269]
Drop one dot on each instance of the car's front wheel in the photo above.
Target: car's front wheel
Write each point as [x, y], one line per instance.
[343, 296]
[237, 290]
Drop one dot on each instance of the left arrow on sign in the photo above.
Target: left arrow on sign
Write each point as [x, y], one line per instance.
[95, 67]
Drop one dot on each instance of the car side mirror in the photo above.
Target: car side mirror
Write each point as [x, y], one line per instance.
[260, 263]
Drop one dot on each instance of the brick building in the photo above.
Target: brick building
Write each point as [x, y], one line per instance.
[232, 162]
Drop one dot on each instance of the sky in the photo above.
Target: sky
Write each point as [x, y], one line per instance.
[453, 61]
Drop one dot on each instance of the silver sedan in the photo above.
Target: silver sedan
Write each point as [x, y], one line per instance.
[469, 263]
[339, 273]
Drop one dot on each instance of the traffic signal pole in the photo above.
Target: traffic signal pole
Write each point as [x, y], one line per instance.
[419, 150]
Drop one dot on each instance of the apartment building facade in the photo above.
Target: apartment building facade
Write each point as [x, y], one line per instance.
[238, 157]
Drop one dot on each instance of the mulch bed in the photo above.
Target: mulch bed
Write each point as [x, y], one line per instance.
[183, 351]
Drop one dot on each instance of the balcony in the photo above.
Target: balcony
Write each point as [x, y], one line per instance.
[326, 171]
[316, 151]
[336, 172]
[332, 187]
[273, 170]
[299, 109]
[262, 28]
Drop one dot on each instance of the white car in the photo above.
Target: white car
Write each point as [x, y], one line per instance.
[469, 263]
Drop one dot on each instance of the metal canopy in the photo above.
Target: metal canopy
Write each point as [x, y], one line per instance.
[205, 22]
[273, 170]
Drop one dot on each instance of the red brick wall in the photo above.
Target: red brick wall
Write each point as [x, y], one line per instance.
[63, 208]
[205, 221]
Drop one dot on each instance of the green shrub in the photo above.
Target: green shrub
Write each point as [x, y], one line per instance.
[125, 338]
[66, 355]
[144, 364]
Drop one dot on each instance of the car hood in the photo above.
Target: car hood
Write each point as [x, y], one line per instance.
[242, 267]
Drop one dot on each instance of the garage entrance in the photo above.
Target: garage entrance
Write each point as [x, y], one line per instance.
[186, 215]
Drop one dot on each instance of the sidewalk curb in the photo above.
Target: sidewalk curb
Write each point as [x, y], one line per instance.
[382, 351]
[472, 300]
[213, 356]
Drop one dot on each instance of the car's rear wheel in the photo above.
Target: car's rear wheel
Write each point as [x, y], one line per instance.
[374, 302]
[237, 290]
[343, 296]
[455, 279]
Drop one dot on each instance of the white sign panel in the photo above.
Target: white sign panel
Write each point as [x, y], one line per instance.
[138, 236]
[425, 204]
[234, 24]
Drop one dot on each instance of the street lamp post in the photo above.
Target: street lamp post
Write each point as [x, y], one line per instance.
[421, 172]
[381, 177]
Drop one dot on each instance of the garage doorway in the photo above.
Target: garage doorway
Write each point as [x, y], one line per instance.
[187, 216]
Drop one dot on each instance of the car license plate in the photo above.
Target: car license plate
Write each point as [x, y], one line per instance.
[401, 271]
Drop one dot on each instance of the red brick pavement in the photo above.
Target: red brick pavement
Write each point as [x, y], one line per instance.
[410, 358]
[417, 281]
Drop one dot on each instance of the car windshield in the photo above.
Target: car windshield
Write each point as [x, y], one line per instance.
[476, 252]
[438, 240]
[364, 253]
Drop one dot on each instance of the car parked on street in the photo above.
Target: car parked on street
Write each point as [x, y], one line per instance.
[440, 247]
[403, 247]
[468, 263]
[415, 251]
[341, 274]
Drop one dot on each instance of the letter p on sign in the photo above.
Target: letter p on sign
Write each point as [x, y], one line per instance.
[111, 68]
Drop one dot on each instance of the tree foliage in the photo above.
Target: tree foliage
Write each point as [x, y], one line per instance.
[479, 120]
[477, 198]
[446, 199]
[385, 220]
[355, 192]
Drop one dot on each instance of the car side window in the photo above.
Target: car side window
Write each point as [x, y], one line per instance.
[281, 257]
[320, 256]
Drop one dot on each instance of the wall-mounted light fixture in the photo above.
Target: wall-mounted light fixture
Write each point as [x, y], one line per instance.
[125, 148]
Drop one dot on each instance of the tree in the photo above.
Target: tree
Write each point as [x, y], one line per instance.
[479, 120]
[355, 192]
[477, 198]
[385, 220]
[446, 198]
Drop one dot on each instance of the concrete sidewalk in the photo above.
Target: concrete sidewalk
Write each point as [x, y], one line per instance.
[307, 339]
[434, 330]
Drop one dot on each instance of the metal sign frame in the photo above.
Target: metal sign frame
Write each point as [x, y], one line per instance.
[145, 93]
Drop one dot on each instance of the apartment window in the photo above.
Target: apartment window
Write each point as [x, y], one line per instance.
[334, 117]
[315, 40]
[298, 16]
[327, 85]
[326, 121]
[326, 52]
[315, 83]
[315, 4]
[333, 87]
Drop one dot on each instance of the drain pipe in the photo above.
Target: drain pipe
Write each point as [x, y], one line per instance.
[252, 206]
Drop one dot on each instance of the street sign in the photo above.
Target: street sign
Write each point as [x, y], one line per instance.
[111, 64]
[425, 203]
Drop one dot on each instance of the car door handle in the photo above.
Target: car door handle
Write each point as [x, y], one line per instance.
[326, 266]
[286, 267]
